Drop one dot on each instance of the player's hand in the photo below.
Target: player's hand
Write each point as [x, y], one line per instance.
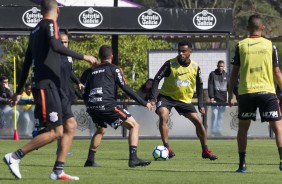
[90, 59]
[14, 99]
[212, 100]
[81, 86]
[230, 102]
[6, 86]
[202, 110]
[149, 106]
[153, 102]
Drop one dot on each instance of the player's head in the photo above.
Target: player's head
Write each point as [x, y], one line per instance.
[27, 88]
[64, 39]
[220, 66]
[49, 6]
[184, 51]
[255, 23]
[4, 80]
[106, 53]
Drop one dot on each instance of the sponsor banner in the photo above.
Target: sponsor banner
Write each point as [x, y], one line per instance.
[32, 16]
[90, 18]
[122, 19]
[149, 19]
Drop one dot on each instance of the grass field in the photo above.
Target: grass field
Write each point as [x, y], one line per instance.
[186, 167]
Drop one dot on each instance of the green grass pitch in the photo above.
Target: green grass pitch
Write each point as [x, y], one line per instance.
[186, 167]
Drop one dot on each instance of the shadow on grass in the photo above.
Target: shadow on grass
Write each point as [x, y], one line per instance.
[5, 179]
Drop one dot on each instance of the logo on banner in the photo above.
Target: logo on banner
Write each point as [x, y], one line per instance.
[149, 19]
[31, 17]
[204, 20]
[90, 18]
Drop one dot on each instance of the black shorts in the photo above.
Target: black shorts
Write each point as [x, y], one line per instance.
[180, 107]
[66, 106]
[48, 106]
[114, 117]
[266, 102]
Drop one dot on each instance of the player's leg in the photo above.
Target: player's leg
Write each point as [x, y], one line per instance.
[163, 113]
[242, 134]
[13, 159]
[69, 125]
[277, 129]
[65, 142]
[201, 134]
[248, 104]
[131, 124]
[270, 111]
[94, 144]
[48, 112]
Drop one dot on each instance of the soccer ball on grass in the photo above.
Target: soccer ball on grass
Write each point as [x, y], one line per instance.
[160, 153]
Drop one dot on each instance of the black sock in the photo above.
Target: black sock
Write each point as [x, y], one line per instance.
[58, 167]
[132, 152]
[242, 159]
[91, 155]
[205, 147]
[19, 154]
[167, 146]
[280, 153]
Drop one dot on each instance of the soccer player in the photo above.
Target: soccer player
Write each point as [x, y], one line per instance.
[43, 54]
[70, 123]
[101, 104]
[257, 62]
[181, 76]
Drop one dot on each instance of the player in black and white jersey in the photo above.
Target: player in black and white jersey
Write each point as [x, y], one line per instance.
[43, 55]
[100, 99]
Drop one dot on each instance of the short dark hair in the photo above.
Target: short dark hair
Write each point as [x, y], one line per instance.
[254, 22]
[105, 52]
[185, 42]
[3, 77]
[27, 84]
[48, 5]
[220, 61]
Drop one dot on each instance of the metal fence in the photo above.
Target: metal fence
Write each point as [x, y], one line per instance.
[179, 126]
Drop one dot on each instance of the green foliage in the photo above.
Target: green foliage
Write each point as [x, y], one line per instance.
[133, 54]
[13, 48]
[87, 45]
[133, 57]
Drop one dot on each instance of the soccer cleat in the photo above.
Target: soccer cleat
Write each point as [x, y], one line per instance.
[138, 162]
[13, 165]
[208, 154]
[62, 176]
[280, 166]
[242, 169]
[91, 164]
[171, 154]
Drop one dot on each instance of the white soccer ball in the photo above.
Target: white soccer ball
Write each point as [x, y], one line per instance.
[160, 153]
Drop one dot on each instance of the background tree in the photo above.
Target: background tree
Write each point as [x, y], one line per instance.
[132, 54]
[12, 48]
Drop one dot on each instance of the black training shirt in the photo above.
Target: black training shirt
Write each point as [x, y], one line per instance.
[43, 54]
[101, 86]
